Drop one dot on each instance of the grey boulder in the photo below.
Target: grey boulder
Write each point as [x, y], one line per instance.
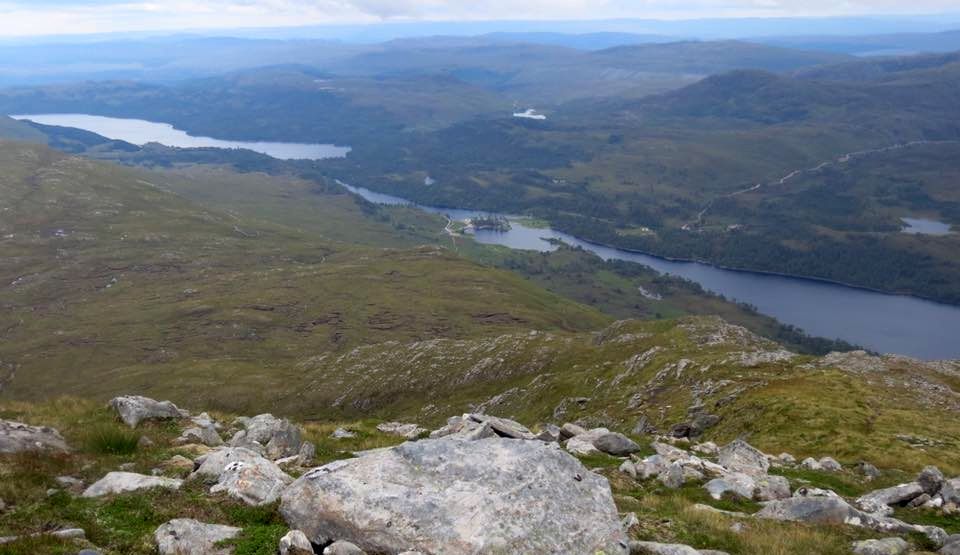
[213, 464]
[931, 480]
[343, 548]
[771, 488]
[295, 542]
[886, 546]
[121, 482]
[256, 482]
[134, 409]
[275, 437]
[734, 482]
[493, 495]
[740, 456]
[204, 435]
[880, 501]
[830, 465]
[182, 536]
[583, 444]
[16, 437]
[616, 444]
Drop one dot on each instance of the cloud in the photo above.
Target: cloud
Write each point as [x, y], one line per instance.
[35, 17]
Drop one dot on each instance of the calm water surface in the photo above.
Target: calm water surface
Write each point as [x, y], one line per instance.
[141, 132]
[881, 322]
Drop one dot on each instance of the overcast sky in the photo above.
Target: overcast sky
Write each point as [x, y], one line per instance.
[44, 17]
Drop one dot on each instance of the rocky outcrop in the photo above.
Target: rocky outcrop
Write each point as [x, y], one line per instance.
[183, 536]
[273, 437]
[134, 409]
[16, 437]
[458, 497]
[120, 482]
[881, 501]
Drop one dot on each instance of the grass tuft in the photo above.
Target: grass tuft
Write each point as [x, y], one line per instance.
[105, 439]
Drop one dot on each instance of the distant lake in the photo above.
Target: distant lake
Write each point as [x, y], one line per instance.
[141, 132]
[919, 226]
[878, 321]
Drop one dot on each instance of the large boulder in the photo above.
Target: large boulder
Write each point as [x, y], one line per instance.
[213, 464]
[256, 482]
[616, 444]
[204, 435]
[493, 495]
[16, 437]
[931, 480]
[134, 409]
[734, 482]
[503, 427]
[275, 437]
[880, 501]
[771, 488]
[583, 444]
[740, 456]
[120, 482]
[182, 536]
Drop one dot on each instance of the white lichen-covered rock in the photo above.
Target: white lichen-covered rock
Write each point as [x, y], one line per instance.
[274, 437]
[740, 456]
[120, 482]
[408, 431]
[183, 536]
[733, 482]
[457, 497]
[134, 409]
[16, 437]
[810, 463]
[256, 482]
[295, 542]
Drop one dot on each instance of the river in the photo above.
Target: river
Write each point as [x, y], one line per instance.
[881, 322]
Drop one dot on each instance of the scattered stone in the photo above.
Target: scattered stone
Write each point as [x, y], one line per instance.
[119, 482]
[64, 534]
[814, 492]
[308, 452]
[740, 456]
[459, 497]
[178, 463]
[616, 444]
[408, 431]
[213, 464]
[16, 437]
[695, 428]
[654, 548]
[931, 480]
[786, 459]
[503, 427]
[950, 490]
[343, 433]
[629, 521]
[134, 409]
[629, 468]
[343, 548]
[830, 465]
[256, 482]
[549, 433]
[295, 542]
[185, 535]
[880, 501]
[144, 442]
[706, 448]
[194, 450]
[920, 501]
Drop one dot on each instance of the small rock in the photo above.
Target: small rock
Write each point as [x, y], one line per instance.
[931, 480]
[740, 456]
[654, 548]
[295, 542]
[183, 535]
[308, 452]
[503, 427]
[771, 488]
[880, 501]
[950, 490]
[549, 433]
[886, 546]
[274, 437]
[629, 468]
[343, 433]
[70, 534]
[70, 483]
[119, 482]
[706, 448]
[582, 444]
[127, 466]
[629, 521]
[343, 548]
[134, 409]
[786, 459]
[206, 435]
[144, 442]
[830, 465]
[178, 463]
[919, 501]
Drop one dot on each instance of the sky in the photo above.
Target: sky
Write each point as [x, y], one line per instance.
[52, 17]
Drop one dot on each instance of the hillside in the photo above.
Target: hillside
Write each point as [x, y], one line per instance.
[126, 283]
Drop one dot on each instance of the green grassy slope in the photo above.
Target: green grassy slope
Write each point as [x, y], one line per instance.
[113, 282]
